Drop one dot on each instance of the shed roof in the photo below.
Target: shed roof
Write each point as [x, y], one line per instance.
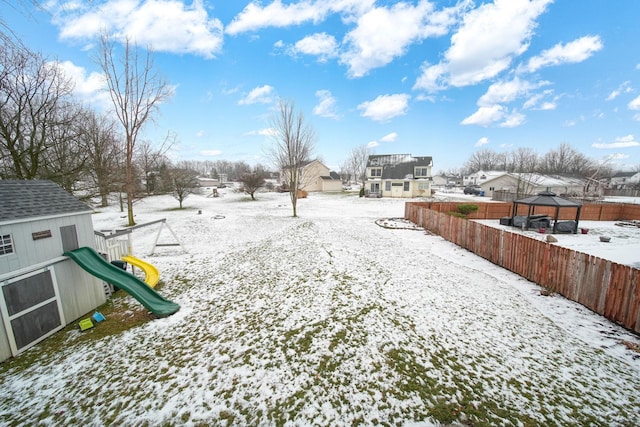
[548, 198]
[21, 200]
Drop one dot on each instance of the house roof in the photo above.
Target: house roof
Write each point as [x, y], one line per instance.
[35, 198]
[398, 166]
[538, 180]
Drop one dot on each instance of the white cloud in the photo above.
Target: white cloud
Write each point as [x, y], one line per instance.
[391, 137]
[385, 107]
[89, 88]
[616, 157]
[210, 153]
[383, 34]
[259, 95]
[620, 142]
[482, 141]
[485, 116]
[507, 91]
[372, 144]
[327, 105]
[166, 25]
[486, 43]
[512, 120]
[623, 88]
[572, 52]
[634, 104]
[322, 45]
[254, 16]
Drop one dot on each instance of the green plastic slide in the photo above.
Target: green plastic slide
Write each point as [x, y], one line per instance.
[93, 263]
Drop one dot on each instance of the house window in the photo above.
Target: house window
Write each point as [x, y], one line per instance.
[376, 172]
[387, 186]
[6, 244]
[422, 172]
[406, 186]
[423, 186]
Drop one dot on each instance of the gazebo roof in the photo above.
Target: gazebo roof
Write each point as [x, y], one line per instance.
[548, 198]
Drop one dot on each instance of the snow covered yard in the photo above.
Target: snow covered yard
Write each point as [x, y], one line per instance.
[326, 319]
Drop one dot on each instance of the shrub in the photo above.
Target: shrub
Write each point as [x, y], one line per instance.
[362, 192]
[467, 208]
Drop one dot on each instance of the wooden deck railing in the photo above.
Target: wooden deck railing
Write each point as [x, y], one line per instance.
[604, 286]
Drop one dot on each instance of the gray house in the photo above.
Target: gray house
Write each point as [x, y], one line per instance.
[42, 290]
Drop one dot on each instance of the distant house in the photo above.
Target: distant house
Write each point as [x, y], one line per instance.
[526, 184]
[399, 175]
[480, 177]
[42, 290]
[624, 180]
[315, 176]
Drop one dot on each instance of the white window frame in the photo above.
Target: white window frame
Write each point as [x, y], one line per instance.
[6, 245]
[375, 172]
[421, 172]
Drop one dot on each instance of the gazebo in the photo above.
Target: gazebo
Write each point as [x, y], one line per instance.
[550, 200]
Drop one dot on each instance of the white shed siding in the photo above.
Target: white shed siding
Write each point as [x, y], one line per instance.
[28, 252]
[79, 291]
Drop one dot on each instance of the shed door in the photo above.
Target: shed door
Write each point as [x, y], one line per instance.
[69, 237]
[31, 309]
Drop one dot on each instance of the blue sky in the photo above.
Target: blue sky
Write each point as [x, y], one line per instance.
[430, 78]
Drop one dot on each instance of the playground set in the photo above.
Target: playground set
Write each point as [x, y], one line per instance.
[46, 234]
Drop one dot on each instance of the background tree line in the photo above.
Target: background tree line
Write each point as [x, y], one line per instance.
[564, 160]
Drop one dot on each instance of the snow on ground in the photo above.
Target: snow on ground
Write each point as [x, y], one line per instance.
[329, 319]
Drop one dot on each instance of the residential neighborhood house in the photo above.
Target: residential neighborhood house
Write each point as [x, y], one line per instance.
[315, 176]
[510, 186]
[624, 180]
[398, 175]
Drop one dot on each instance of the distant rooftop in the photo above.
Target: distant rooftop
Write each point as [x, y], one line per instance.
[35, 198]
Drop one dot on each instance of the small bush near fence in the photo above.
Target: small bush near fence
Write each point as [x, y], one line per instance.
[467, 208]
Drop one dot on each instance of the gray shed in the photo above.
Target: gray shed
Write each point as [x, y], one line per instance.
[42, 290]
[550, 199]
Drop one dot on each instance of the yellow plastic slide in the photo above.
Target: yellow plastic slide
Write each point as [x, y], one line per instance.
[151, 272]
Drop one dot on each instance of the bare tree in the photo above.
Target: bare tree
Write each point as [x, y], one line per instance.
[32, 93]
[293, 141]
[185, 182]
[252, 181]
[104, 147]
[136, 90]
[357, 163]
[485, 160]
[149, 159]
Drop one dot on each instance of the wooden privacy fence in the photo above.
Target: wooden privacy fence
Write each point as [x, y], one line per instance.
[605, 287]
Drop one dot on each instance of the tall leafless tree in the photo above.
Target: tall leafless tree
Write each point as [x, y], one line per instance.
[357, 163]
[105, 152]
[293, 144]
[136, 90]
[33, 93]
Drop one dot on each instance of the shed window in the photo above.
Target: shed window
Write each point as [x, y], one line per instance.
[406, 186]
[6, 244]
[387, 186]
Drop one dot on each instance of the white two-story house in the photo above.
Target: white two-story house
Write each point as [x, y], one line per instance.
[399, 175]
